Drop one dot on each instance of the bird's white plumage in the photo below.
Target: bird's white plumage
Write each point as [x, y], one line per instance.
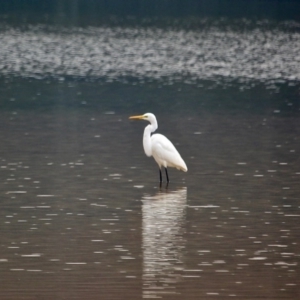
[165, 153]
[160, 147]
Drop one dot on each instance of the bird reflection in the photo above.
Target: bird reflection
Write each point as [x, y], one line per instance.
[163, 230]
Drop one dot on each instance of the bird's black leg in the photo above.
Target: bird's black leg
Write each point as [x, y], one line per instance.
[160, 176]
[167, 175]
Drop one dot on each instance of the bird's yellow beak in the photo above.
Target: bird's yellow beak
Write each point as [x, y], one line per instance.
[141, 117]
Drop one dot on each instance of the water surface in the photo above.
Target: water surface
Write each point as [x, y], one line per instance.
[82, 213]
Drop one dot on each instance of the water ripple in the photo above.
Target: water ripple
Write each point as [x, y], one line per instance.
[213, 52]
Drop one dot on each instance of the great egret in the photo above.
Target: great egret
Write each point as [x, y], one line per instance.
[158, 146]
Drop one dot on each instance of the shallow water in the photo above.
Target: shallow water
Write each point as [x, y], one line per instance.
[82, 213]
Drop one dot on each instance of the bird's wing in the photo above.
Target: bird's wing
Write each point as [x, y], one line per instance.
[165, 153]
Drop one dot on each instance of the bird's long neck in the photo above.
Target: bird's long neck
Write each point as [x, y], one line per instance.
[147, 138]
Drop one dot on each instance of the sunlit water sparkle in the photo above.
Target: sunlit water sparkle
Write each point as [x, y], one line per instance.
[216, 51]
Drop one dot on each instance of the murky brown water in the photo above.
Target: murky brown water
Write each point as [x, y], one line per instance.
[82, 215]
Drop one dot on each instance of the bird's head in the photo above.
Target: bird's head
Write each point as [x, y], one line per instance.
[148, 117]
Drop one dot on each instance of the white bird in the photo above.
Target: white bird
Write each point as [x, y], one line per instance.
[158, 146]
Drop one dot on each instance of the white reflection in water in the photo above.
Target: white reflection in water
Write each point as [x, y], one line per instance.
[163, 229]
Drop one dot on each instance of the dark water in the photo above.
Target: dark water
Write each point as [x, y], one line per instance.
[77, 11]
[82, 214]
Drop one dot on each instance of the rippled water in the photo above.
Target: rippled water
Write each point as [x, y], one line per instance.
[248, 50]
[82, 214]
